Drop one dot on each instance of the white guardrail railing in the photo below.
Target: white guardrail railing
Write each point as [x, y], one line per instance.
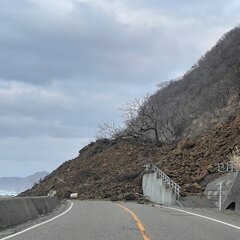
[227, 167]
[168, 181]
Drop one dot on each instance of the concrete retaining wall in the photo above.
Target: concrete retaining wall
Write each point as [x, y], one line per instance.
[233, 194]
[157, 191]
[45, 204]
[18, 210]
[230, 190]
[212, 189]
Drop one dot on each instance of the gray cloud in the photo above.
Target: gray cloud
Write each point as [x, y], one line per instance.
[68, 65]
[42, 42]
[21, 157]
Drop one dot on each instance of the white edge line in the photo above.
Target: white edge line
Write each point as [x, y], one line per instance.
[201, 216]
[39, 224]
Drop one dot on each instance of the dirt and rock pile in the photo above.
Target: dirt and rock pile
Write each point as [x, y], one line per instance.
[112, 169]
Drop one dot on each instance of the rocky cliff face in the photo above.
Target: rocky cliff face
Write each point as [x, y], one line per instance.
[113, 169]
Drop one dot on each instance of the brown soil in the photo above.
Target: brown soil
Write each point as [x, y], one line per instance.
[113, 169]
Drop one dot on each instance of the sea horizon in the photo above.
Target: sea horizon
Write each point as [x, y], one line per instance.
[7, 193]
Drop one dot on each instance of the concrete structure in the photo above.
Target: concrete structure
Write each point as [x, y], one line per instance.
[158, 187]
[227, 167]
[18, 210]
[232, 201]
[73, 195]
[230, 191]
[156, 190]
[45, 204]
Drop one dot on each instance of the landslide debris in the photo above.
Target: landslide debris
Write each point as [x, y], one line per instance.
[206, 97]
[113, 169]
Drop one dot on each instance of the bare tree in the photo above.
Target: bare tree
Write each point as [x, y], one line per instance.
[142, 119]
[149, 118]
[109, 130]
[168, 115]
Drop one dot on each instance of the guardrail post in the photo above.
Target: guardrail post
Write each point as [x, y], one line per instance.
[220, 196]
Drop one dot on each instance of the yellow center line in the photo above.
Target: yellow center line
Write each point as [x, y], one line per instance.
[138, 222]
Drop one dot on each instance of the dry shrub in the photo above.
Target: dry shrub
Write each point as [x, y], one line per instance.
[234, 157]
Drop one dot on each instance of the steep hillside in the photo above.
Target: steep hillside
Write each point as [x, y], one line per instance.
[206, 95]
[186, 128]
[113, 169]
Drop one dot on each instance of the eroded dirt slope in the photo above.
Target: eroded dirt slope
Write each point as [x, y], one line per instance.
[113, 169]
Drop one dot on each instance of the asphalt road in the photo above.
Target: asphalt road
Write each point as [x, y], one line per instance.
[98, 220]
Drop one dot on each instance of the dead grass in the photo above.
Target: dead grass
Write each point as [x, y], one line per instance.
[234, 157]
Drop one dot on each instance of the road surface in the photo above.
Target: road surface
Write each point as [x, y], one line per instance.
[100, 220]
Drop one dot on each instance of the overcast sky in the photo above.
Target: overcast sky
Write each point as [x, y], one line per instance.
[69, 65]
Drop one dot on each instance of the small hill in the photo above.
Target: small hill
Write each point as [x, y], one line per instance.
[18, 184]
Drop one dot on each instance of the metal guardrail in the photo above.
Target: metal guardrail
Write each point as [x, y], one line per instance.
[169, 182]
[227, 167]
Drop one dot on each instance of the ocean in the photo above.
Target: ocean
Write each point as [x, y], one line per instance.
[7, 193]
